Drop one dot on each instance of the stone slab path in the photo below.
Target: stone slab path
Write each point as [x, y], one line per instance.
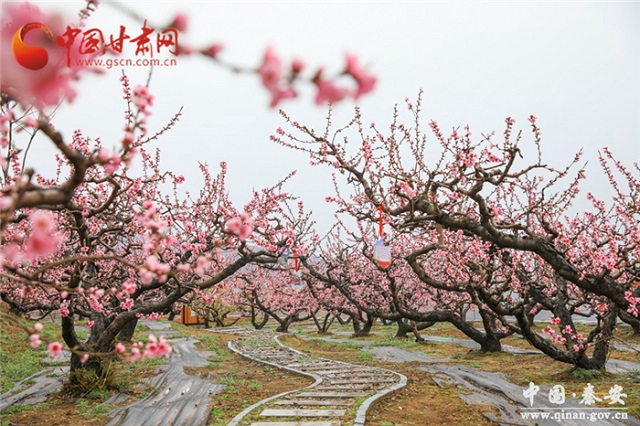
[341, 393]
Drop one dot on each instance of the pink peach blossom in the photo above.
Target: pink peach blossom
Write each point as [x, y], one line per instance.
[43, 87]
[180, 22]
[245, 231]
[55, 349]
[328, 92]
[213, 50]
[35, 340]
[365, 81]
[297, 66]
[233, 225]
[270, 73]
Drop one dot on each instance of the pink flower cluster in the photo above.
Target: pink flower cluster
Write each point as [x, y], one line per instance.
[242, 226]
[111, 162]
[180, 22]
[35, 336]
[64, 308]
[328, 91]
[43, 240]
[202, 263]
[55, 348]
[279, 83]
[153, 268]
[154, 349]
[129, 287]
[271, 74]
[142, 99]
[151, 222]
[43, 87]
[634, 303]
[5, 120]
[366, 82]
[406, 189]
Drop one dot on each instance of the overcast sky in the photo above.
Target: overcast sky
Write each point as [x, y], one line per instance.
[576, 66]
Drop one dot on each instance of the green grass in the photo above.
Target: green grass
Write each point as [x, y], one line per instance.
[98, 394]
[16, 367]
[582, 374]
[89, 408]
[18, 408]
[365, 357]
[338, 345]
[17, 359]
[356, 405]
[231, 381]
[125, 372]
[399, 343]
[217, 416]
[214, 344]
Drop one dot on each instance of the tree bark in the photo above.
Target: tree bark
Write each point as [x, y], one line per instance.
[366, 327]
[126, 333]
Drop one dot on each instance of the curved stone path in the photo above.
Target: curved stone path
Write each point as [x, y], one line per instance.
[341, 393]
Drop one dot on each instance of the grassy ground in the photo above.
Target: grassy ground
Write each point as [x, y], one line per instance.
[386, 333]
[246, 382]
[14, 346]
[421, 402]
[424, 399]
[86, 407]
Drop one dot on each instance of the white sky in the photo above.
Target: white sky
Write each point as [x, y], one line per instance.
[576, 66]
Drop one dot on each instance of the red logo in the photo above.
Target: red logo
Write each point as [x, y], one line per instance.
[92, 42]
[32, 57]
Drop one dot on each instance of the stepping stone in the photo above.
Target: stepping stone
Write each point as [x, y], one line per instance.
[327, 366]
[331, 394]
[363, 375]
[235, 331]
[313, 402]
[344, 387]
[272, 412]
[361, 381]
[306, 365]
[295, 424]
[342, 370]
